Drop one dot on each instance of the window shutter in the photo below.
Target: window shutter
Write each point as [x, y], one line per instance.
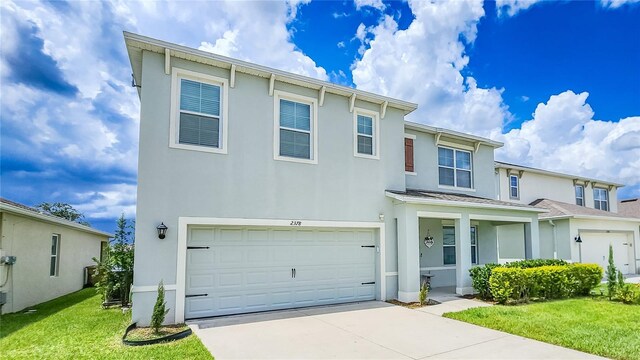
[408, 155]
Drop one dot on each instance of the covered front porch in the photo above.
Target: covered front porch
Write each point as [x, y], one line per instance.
[441, 236]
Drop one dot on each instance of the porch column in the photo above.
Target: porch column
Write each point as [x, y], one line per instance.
[408, 254]
[532, 239]
[463, 255]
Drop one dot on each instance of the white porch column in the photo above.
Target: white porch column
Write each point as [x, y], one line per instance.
[463, 255]
[532, 239]
[408, 254]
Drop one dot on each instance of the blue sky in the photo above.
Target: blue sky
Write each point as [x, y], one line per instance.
[557, 82]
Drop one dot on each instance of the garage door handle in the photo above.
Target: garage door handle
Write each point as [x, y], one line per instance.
[294, 273]
[368, 246]
[197, 247]
[369, 283]
[196, 295]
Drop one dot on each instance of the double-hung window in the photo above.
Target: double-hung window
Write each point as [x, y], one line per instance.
[449, 245]
[580, 195]
[199, 120]
[514, 187]
[54, 264]
[295, 128]
[454, 167]
[366, 134]
[601, 199]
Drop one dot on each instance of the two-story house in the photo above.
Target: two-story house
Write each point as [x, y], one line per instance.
[582, 218]
[260, 189]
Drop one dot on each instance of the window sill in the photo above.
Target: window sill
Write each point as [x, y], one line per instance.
[296, 160]
[364, 156]
[199, 148]
[456, 188]
[412, 173]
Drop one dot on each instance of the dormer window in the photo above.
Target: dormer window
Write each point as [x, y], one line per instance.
[580, 195]
[601, 199]
[514, 187]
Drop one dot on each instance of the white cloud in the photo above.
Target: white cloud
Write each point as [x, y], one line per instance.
[512, 7]
[376, 4]
[614, 4]
[423, 64]
[108, 203]
[563, 136]
[524, 98]
[340, 44]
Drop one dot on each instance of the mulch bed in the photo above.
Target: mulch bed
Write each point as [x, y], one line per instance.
[412, 305]
[146, 333]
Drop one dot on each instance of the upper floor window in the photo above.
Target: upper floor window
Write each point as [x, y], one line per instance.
[601, 199]
[454, 167]
[514, 187]
[408, 155]
[366, 134]
[580, 195]
[199, 115]
[55, 255]
[295, 135]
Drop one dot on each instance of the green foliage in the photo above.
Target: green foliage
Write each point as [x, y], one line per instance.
[480, 279]
[584, 278]
[509, 284]
[620, 279]
[612, 284]
[424, 292]
[159, 310]
[629, 294]
[531, 263]
[115, 273]
[62, 210]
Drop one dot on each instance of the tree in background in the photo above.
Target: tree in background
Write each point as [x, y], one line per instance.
[62, 210]
[115, 272]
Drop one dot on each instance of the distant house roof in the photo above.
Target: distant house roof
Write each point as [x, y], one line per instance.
[562, 210]
[136, 44]
[629, 207]
[443, 198]
[21, 209]
[505, 165]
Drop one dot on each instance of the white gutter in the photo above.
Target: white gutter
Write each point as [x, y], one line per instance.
[591, 217]
[503, 165]
[555, 240]
[424, 201]
[51, 219]
[451, 133]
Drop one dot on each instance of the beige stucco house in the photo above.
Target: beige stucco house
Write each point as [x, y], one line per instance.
[50, 253]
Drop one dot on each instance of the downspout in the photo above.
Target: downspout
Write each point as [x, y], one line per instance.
[555, 242]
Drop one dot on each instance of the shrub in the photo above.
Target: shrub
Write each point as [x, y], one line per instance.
[612, 284]
[159, 310]
[584, 278]
[480, 279]
[532, 263]
[509, 284]
[424, 291]
[629, 293]
[550, 282]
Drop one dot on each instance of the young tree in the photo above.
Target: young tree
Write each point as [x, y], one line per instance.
[159, 310]
[612, 274]
[62, 210]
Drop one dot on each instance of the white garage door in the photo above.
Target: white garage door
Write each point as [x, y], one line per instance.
[233, 270]
[595, 249]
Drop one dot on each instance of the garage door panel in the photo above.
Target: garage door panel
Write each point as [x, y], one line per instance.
[595, 249]
[246, 270]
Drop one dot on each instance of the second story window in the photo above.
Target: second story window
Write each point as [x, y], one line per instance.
[295, 126]
[454, 167]
[601, 199]
[580, 195]
[365, 134]
[514, 187]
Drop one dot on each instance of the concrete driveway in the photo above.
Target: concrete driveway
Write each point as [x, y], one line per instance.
[368, 330]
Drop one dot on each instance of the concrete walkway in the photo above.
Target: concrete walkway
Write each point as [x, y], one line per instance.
[368, 330]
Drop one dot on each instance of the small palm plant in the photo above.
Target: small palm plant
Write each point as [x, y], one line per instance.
[159, 310]
[424, 291]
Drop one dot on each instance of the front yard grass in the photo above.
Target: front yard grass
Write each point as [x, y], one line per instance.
[75, 327]
[592, 325]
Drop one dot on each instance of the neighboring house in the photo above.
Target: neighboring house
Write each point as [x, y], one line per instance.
[51, 254]
[629, 207]
[282, 191]
[583, 217]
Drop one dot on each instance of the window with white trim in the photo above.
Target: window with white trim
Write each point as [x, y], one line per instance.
[448, 245]
[454, 167]
[580, 195]
[601, 199]
[514, 187]
[199, 113]
[54, 264]
[474, 245]
[365, 139]
[295, 128]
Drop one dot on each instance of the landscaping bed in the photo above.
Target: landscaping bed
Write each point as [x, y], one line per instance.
[76, 327]
[412, 305]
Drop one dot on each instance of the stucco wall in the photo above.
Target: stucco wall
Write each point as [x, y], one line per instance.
[29, 240]
[425, 153]
[247, 182]
[511, 241]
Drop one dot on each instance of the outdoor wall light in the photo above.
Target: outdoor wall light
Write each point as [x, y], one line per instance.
[162, 230]
[578, 239]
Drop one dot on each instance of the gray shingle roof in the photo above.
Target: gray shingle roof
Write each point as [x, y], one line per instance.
[562, 209]
[437, 195]
[629, 207]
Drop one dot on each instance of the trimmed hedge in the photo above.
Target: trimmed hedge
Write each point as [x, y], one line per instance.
[540, 279]
[514, 284]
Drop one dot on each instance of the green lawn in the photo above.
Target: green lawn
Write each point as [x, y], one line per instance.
[592, 325]
[75, 327]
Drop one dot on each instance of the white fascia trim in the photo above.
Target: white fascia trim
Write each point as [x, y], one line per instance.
[409, 136]
[456, 188]
[438, 215]
[506, 166]
[177, 73]
[591, 217]
[185, 222]
[151, 288]
[433, 268]
[376, 133]
[500, 218]
[52, 219]
[451, 133]
[424, 201]
[279, 94]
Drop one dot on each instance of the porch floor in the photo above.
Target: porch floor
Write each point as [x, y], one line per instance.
[449, 301]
